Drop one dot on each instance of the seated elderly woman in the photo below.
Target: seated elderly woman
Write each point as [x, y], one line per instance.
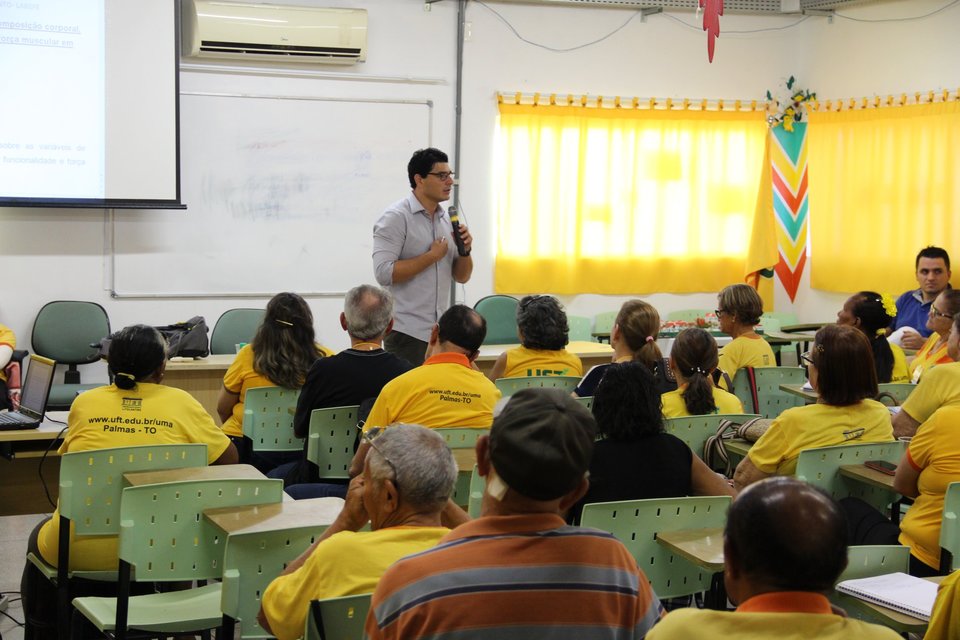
[634, 458]
[693, 359]
[739, 308]
[934, 351]
[840, 366]
[137, 360]
[939, 388]
[543, 329]
[633, 338]
[872, 313]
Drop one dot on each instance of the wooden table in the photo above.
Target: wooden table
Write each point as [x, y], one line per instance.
[277, 516]
[810, 395]
[215, 472]
[202, 378]
[590, 353]
[866, 475]
[704, 548]
[21, 492]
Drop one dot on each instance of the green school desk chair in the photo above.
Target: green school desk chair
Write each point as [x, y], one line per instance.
[337, 618]
[462, 438]
[500, 312]
[866, 562]
[950, 529]
[586, 401]
[579, 329]
[687, 315]
[330, 442]
[234, 327]
[509, 386]
[89, 500]
[694, 430]
[821, 467]
[603, 322]
[477, 486]
[267, 419]
[899, 391]
[636, 523]
[759, 389]
[251, 561]
[164, 537]
[63, 331]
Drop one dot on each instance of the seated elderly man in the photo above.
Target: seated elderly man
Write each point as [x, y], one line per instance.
[785, 545]
[520, 571]
[407, 479]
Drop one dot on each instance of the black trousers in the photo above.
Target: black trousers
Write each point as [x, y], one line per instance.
[407, 347]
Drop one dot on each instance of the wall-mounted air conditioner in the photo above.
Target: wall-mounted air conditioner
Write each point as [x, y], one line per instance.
[281, 33]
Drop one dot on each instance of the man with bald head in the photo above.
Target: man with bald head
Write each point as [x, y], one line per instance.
[785, 545]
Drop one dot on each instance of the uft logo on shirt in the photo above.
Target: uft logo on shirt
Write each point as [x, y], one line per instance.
[132, 404]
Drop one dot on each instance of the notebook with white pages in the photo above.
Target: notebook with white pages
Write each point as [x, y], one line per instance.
[897, 591]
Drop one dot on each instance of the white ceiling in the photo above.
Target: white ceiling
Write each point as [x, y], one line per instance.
[735, 6]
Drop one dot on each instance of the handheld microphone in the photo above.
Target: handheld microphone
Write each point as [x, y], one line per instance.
[455, 223]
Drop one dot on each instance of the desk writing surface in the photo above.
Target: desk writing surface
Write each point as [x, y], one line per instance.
[48, 430]
[738, 446]
[216, 472]
[810, 395]
[868, 476]
[900, 622]
[702, 547]
[274, 517]
[466, 458]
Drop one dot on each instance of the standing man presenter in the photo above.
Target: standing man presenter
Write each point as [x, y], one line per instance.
[415, 255]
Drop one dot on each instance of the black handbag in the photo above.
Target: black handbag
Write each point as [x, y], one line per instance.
[187, 339]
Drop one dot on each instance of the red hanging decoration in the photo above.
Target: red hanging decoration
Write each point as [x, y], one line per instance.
[712, 10]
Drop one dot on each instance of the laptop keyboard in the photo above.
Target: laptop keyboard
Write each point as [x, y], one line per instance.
[7, 418]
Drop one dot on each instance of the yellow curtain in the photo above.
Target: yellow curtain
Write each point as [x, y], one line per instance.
[884, 183]
[623, 201]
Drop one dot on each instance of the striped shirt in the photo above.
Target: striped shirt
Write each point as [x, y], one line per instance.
[516, 577]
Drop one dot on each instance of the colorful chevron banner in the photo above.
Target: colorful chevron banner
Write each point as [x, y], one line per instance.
[788, 161]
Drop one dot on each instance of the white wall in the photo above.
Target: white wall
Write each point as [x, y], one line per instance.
[50, 254]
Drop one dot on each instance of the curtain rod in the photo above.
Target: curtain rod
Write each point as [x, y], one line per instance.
[878, 102]
[619, 102]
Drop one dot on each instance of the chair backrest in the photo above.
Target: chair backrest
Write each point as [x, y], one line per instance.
[579, 329]
[268, 420]
[771, 401]
[233, 327]
[477, 487]
[821, 467]
[509, 386]
[164, 535]
[603, 322]
[694, 430]
[586, 401]
[338, 618]
[91, 481]
[950, 528]
[687, 315]
[500, 312]
[250, 562]
[782, 318]
[899, 391]
[65, 329]
[636, 524]
[330, 443]
[867, 561]
[462, 437]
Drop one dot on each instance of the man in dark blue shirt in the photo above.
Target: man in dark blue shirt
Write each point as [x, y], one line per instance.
[933, 276]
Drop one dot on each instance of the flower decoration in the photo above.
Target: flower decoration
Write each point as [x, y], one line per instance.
[794, 109]
[889, 304]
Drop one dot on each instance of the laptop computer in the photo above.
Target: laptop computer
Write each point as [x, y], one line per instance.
[33, 397]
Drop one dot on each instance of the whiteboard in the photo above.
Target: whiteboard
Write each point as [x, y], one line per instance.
[282, 194]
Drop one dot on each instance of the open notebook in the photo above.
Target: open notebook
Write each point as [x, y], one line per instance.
[897, 591]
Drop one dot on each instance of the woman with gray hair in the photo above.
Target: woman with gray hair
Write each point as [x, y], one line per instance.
[543, 331]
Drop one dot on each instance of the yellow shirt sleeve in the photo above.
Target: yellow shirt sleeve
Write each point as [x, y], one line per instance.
[771, 449]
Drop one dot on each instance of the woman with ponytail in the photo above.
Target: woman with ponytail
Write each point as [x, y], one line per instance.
[282, 352]
[693, 359]
[872, 313]
[633, 338]
[135, 410]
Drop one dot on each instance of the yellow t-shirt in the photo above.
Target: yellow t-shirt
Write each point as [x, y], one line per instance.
[522, 362]
[745, 352]
[673, 406]
[928, 357]
[939, 388]
[6, 338]
[818, 425]
[442, 392]
[945, 620]
[935, 453]
[347, 563]
[111, 417]
[900, 373]
[240, 377]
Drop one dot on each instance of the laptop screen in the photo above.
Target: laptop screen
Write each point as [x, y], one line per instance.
[36, 386]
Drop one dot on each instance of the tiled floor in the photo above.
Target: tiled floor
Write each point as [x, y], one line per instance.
[14, 531]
